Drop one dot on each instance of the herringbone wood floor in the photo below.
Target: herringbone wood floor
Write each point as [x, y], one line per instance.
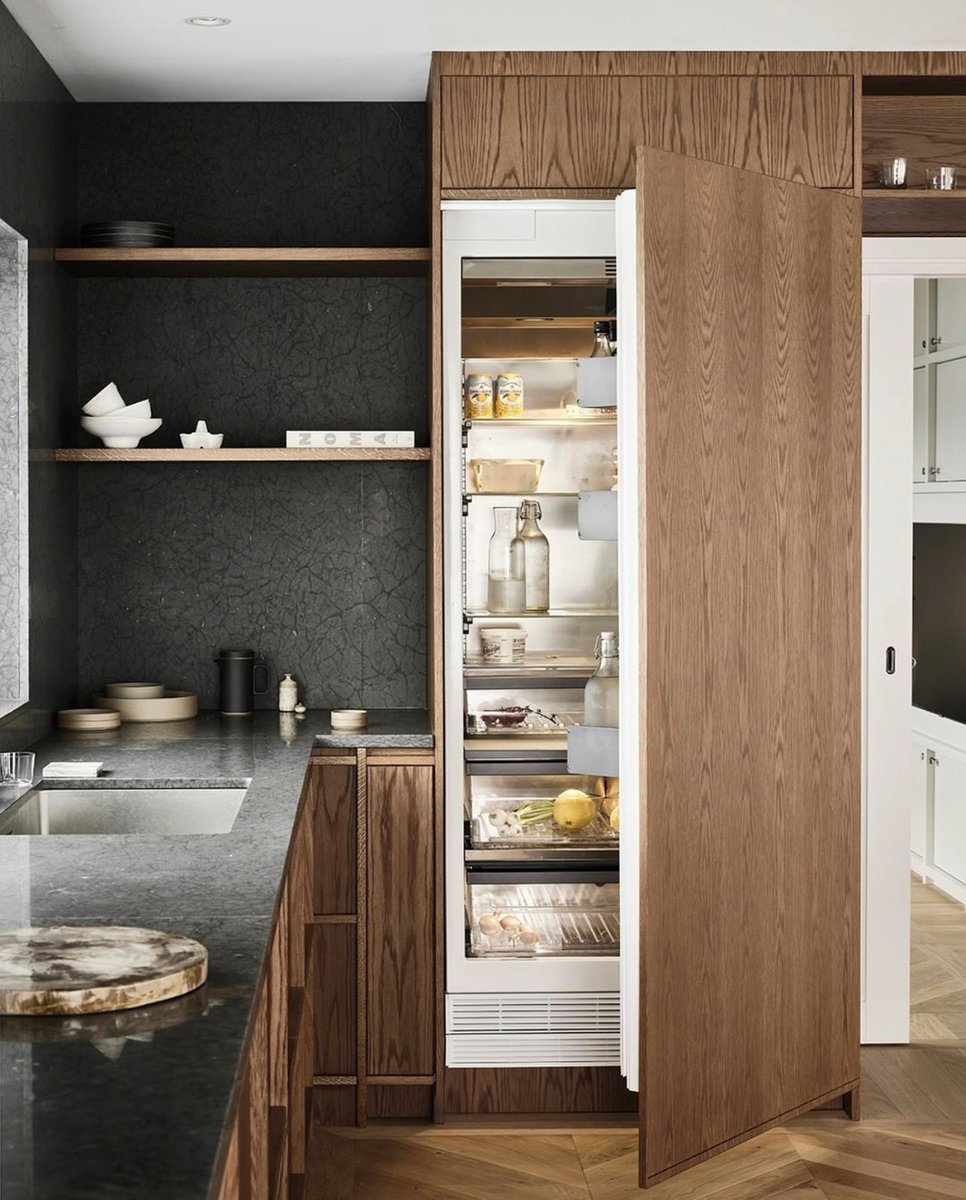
[910, 1144]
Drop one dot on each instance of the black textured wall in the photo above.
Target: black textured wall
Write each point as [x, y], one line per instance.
[320, 566]
[37, 195]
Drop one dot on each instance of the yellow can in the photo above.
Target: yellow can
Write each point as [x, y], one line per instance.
[509, 395]
[478, 396]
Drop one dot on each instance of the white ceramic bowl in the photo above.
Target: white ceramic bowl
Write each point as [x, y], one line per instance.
[134, 691]
[141, 409]
[202, 441]
[120, 433]
[108, 399]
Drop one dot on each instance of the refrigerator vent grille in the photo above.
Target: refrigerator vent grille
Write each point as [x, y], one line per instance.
[537, 1012]
[533, 1029]
[610, 267]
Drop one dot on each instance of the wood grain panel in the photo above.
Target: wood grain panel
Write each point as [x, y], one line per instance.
[333, 1105]
[208, 261]
[648, 62]
[335, 989]
[401, 921]
[258, 1099]
[233, 454]
[553, 132]
[923, 129]
[333, 807]
[228, 1187]
[749, 298]
[400, 1103]
[277, 983]
[299, 887]
[489, 1091]
[914, 217]
[913, 62]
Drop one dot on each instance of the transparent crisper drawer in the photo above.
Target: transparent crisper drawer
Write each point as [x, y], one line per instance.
[492, 801]
[522, 711]
[526, 920]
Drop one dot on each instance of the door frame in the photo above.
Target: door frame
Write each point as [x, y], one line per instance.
[890, 267]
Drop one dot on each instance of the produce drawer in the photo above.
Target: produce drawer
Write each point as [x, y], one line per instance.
[531, 920]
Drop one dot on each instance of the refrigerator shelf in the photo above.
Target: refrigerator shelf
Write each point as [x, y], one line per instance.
[475, 614]
[567, 919]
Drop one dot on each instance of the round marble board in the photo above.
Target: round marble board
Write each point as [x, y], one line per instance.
[59, 970]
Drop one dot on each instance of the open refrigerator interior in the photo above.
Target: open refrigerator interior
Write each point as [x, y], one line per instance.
[533, 795]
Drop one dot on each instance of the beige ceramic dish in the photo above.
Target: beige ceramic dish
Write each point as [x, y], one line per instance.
[87, 720]
[134, 691]
[514, 475]
[349, 718]
[172, 706]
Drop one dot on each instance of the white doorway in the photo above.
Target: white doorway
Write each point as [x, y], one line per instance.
[901, 352]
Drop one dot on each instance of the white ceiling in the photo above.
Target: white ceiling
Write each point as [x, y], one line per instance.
[379, 49]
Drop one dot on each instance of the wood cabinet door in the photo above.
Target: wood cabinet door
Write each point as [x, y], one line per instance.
[559, 132]
[399, 929]
[748, 313]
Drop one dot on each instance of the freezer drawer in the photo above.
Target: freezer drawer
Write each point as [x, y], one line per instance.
[528, 920]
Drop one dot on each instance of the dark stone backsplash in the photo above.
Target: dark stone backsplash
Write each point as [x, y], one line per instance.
[254, 357]
[259, 174]
[37, 188]
[319, 566]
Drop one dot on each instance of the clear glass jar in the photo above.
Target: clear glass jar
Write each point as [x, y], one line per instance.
[602, 691]
[506, 590]
[536, 557]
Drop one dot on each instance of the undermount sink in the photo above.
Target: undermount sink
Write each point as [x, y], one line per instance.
[47, 811]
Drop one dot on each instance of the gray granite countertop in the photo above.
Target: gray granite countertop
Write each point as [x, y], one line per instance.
[134, 1104]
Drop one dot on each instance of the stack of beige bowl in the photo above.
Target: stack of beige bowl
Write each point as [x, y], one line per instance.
[147, 702]
[88, 720]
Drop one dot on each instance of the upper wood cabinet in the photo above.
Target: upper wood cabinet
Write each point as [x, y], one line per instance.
[570, 131]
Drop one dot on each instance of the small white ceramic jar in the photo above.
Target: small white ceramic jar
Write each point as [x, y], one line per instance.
[288, 694]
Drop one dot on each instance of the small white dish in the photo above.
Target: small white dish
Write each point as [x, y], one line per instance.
[134, 691]
[201, 439]
[120, 433]
[108, 399]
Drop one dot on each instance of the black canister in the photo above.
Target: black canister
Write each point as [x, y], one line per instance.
[236, 679]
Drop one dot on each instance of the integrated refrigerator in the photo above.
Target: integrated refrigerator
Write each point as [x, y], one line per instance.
[662, 391]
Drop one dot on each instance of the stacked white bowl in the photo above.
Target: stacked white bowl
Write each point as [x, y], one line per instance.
[120, 426]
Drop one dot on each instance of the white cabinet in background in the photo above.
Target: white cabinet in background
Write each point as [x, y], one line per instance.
[950, 322]
[920, 800]
[949, 813]
[921, 424]
[920, 328]
[951, 420]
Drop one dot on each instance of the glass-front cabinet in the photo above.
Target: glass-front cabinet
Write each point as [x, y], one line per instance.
[531, 478]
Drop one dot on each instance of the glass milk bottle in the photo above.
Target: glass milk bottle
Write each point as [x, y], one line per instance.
[536, 557]
[506, 589]
[602, 693]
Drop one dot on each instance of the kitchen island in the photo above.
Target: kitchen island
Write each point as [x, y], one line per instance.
[138, 1103]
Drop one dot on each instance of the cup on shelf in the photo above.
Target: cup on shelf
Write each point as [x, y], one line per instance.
[892, 172]
[941, 179]
[107, 400]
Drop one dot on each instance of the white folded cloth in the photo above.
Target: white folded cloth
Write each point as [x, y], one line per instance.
[72, 770]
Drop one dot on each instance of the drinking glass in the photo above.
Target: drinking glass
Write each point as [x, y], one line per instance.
[6, 768]
[892, 173]
[941, 179]
[23, 767]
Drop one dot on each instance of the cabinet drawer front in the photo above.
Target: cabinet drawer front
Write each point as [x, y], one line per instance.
[582, 132]
[334, 811]
[335, 999]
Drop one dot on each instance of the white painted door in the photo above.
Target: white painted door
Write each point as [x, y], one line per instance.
[951, 420]
[920, 800]
[949, 812]
[920, 426]
[888, 375]
[950, 314]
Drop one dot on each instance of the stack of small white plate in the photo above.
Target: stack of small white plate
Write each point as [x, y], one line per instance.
[88, 720]
[349, 718]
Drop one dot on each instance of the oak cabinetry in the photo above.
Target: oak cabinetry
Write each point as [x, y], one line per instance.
[574, 132]
[322, 1005]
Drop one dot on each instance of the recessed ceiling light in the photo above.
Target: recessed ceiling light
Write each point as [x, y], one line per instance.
[207, 22]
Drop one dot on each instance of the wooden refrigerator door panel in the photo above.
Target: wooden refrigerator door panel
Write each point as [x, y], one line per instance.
[552, 132]
[749, 311]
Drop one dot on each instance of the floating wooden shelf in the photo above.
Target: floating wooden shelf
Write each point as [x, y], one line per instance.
[201, 261]
[248, 454]
[874, 193]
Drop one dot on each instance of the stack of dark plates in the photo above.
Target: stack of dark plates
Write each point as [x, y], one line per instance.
[134, 234]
